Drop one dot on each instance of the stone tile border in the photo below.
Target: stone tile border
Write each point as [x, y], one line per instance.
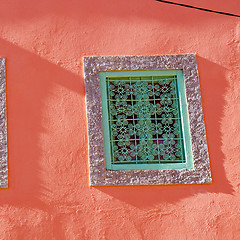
[99, 176]
[3, 128]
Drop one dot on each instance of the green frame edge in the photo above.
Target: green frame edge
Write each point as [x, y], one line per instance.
[184, 118]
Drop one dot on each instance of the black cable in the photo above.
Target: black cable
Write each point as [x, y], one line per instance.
[198, 8]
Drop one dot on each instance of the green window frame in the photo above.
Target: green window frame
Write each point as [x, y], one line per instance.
[151, 157]
[197, 167]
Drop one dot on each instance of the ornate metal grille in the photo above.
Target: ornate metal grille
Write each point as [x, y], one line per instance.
[144, 120]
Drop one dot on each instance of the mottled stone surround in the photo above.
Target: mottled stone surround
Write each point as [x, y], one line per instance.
[3, 128]
[99, 176]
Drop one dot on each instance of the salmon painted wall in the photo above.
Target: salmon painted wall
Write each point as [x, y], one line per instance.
[49, 195]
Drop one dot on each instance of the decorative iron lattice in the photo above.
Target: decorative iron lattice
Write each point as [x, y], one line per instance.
[144, 120]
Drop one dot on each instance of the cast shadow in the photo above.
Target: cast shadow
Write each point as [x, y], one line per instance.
[30, 80]
[26, 96]
[213, 88]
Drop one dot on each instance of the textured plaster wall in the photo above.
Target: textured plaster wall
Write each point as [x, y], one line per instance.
[49, 195]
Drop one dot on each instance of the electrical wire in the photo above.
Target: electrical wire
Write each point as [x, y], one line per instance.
[199, 8]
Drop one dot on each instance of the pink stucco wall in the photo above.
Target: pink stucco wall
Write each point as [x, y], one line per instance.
[49, 195]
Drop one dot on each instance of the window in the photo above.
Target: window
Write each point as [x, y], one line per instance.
[3, 128]
[143, 126]
[149, 128]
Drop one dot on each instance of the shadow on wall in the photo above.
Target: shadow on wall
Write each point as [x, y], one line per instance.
[30, 80]
[213, 88]
[26, 96]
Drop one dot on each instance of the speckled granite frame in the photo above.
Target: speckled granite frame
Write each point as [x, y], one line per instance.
[99, 176]
[3, 128]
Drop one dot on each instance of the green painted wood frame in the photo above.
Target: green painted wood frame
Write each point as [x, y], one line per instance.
[184, 117]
